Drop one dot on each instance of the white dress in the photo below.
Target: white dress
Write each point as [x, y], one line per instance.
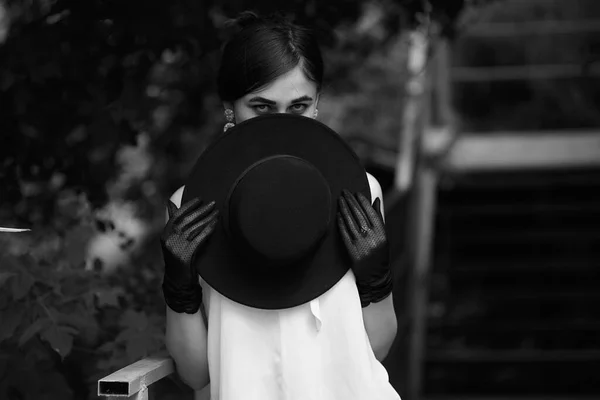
[315, 351]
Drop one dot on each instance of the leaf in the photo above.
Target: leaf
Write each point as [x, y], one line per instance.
[33, 329]
[60, 339]
[134, 320]
[78, 320]
[11, 319]
[138, 347]
[89, 304]
[50, 70]
[106, 347]
[77, 241]
[126, 335]
[136, 350]
[108, 298]
[22, 285]
[52, 384]
[104, 365]
[111, 364]
[70, 330]
[6, 80]
[5, 276]
[4, 300]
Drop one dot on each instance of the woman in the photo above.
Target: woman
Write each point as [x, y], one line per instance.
[273, 66]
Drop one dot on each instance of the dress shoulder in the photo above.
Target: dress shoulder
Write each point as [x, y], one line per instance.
[177, 196]
[376, 191]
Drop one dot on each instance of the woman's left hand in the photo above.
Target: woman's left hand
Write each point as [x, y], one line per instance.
[363, 232]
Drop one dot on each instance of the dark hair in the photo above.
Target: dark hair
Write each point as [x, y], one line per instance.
[264, 49]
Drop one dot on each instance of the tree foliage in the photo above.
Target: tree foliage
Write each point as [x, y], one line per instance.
[63, 324]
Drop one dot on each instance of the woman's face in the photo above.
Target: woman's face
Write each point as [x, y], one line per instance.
[291, 93]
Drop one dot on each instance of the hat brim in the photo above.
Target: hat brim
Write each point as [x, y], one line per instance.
[218, 262]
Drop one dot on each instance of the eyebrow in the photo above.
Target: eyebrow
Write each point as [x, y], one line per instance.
[259, 99]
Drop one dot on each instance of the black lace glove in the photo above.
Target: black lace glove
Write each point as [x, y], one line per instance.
[363, 233]
[188, 228]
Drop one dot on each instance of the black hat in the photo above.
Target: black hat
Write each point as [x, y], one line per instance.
[276, 180]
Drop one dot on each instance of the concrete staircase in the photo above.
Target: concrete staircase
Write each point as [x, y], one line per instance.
[514, 304]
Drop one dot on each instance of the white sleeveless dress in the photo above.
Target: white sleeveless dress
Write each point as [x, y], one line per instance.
[315, 351]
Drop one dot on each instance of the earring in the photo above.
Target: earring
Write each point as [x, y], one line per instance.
[229, 117]
[316, 113]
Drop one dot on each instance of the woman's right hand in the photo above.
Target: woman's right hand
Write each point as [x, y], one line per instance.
[187, 230]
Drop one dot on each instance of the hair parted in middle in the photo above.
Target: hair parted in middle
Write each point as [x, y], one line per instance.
[263, 49]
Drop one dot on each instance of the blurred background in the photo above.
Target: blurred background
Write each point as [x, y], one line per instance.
[479, 118]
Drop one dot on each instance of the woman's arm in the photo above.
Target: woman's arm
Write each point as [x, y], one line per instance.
[381, 325]
[187, 344]
[186, 339]
[380, 318]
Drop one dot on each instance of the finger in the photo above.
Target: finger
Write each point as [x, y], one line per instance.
[204, 234]
[186, 209]
[344, 232]
[373, 212]
[195, 215]
[357, 210]
[196, 228]
[349, 219]
[377, 208]
[171, 209]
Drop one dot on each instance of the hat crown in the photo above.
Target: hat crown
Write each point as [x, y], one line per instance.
[278, 210]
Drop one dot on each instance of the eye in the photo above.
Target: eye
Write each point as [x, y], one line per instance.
[299, 108]
[261, 108]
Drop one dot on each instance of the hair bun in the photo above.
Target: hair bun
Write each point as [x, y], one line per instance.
[245, 19]
[228, 28]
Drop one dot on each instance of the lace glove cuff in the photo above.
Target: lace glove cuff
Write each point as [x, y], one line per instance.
[375, 292]
[182, 299]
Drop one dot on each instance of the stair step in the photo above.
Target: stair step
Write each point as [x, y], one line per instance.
[547, 304]
[514, 283]
[557, 280]
[527, 252]
[527, 197]
[510, 397]
[491, 295]
[544, 266]
[502, 210]
[501, 341]
[527, 180]
[531, 259]
[566, 378]
[482, 218]
[511, 325]
[511, 356]
[522, 237]
[519, 310]
[516, 198]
